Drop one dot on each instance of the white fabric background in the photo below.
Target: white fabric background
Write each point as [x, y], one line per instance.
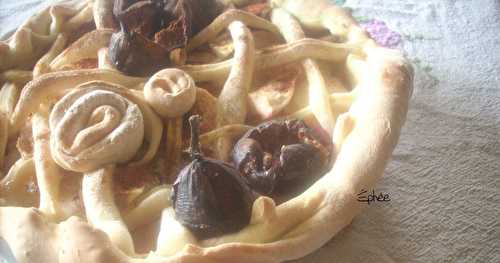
[444, 178]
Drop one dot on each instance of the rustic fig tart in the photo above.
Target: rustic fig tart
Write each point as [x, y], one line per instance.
[191, 130]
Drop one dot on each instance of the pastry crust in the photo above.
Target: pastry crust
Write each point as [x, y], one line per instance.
[364, 138]
[33, 38]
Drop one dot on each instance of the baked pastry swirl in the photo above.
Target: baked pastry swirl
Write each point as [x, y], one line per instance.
[89, 140]
[92, 128]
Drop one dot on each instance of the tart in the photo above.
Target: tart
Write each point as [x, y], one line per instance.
[97, 109]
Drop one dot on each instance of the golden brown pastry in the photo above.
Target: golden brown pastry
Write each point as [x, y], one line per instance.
[96, 123]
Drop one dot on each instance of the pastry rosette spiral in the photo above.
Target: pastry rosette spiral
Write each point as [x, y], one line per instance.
[93, 127]
[171, 92]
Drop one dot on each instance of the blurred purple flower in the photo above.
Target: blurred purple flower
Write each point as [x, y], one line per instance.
[382, 34]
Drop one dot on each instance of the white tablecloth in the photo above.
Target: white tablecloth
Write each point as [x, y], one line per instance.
[444, 178]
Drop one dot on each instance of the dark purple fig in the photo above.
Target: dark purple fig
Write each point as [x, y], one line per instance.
[210, 197]
[143, 17]
[298, 160]
[279, 153]
[133, 54]
[151, 29]
[249, 158]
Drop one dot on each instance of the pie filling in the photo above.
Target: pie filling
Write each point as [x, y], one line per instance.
[184, 125]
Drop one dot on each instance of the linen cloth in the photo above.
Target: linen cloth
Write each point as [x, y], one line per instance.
[444, 177]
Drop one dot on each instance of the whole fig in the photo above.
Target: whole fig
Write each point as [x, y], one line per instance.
[278, 154]
[210, 197]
